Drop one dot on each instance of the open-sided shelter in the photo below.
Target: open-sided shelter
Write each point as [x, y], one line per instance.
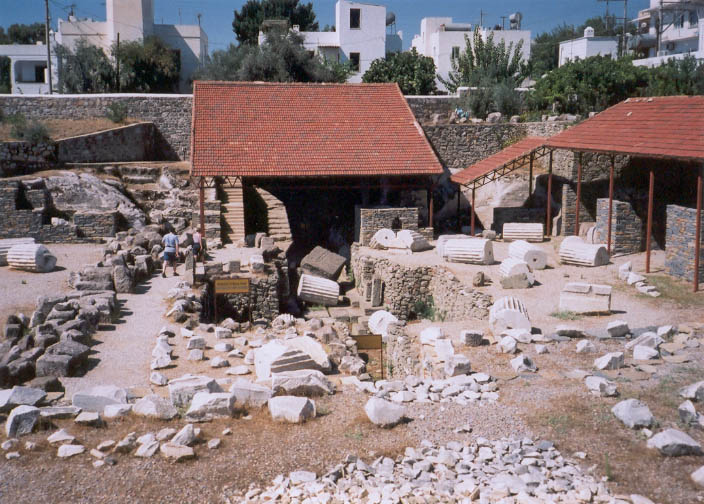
[294, 136]
[663, 131]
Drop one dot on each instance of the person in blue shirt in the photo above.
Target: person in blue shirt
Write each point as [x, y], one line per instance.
[170, 242]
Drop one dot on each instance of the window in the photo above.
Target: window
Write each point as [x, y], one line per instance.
[311, 54]
[354, 59]
[39, 73]
[693, 19]
[355, 19]
[455, 52]
[679, 20]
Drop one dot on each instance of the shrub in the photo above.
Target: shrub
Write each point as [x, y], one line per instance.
[36, 132]
[32, 131]
[507, 100]
[479, 102]
[116, 112]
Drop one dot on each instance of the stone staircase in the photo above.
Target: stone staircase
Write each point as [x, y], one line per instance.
[279, 227]
[232, 209]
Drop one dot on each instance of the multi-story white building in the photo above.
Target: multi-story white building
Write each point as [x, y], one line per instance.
[133, 20]
[669, 29]
[587, 46]
[442, 39]
[28, 69]
[360, 36]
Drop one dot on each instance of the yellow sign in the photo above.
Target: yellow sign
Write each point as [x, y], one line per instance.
[368, 342]
[231, 286]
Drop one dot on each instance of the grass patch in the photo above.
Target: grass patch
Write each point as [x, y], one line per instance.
[566, 315]
[356, 434]
[675, 290]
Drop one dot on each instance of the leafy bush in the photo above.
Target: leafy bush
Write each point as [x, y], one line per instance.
[116, 112]
[507, 100]
[36, 132]
[414, 73]
[32, 131]
[480, 102]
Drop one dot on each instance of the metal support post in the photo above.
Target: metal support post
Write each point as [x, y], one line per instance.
[579, 194]
[649, 230]
[548, 222]
[611, 204]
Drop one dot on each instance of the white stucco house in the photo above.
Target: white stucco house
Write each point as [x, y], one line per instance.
[28, 69]
[669, 29]
[440, 38]
[587, 46]
[360, 36]
[134, 20]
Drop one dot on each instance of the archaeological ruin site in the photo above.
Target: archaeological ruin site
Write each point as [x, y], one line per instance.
[371, 300]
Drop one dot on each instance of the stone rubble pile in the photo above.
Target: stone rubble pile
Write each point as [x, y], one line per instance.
[462, 389]
[626, 273]
[54, 341]
[505, 470]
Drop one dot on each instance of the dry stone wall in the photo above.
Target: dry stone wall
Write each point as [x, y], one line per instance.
[405, 290]
[134, 142]
[370, 220]
[171, 114]
[17, 158]
[627, 230]
[680, 246]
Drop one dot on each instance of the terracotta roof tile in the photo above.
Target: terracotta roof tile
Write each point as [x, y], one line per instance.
[660, 127]
[306, 130]
[521, 148]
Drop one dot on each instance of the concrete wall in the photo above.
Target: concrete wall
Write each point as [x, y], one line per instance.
[135, 142]
[171, 114]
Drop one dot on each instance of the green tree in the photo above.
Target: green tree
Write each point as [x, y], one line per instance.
[545, 49]
[677, 77]
[23, 34]
[250, 17]
[414, 73]
[281, 58]
[148, 67]
[591, 84]
[86, 69]
[17, 34]
[485, 61]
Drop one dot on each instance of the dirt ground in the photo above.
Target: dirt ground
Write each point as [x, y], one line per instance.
[65, 128]
[546, 405]
[19, 289]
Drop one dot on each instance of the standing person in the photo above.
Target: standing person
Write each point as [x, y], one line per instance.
[170, 242]
[197, 245]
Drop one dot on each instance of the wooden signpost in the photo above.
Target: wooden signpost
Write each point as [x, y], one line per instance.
[232, 286]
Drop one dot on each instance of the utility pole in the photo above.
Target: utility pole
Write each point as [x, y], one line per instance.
[48, 46]
[117, 58]
[199, 16]
[625, 21]
[503, 22]
[481, 18]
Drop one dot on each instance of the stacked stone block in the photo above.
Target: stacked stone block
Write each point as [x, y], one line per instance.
[680, 243]
[371, 220]
[627, 230]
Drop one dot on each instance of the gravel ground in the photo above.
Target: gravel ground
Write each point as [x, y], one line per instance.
[19, 289]
[545, 405]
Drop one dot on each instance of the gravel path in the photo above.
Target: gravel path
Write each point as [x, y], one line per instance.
[122, 353]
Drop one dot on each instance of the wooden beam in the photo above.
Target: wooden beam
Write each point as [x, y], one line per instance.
[548, 221]
[698, 238]
[579, 194]
[611, 204]
[649, 230]
[472, 224]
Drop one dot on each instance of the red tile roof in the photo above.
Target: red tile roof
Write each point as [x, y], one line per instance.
[662, 127]
[522, 148]
[306, 130]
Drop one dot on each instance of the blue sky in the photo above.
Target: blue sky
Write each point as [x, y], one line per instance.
[538, 15]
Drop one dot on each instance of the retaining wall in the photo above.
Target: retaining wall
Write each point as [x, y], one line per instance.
[17, 158]
[171, 114]
[134, 142]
